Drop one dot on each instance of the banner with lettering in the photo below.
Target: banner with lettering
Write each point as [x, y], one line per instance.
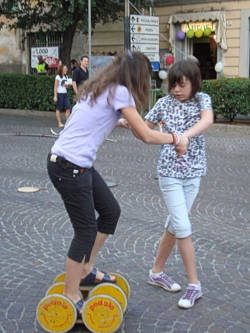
[50, 55]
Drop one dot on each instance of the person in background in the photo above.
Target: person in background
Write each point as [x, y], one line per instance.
[80, 74]
[42, 67]
[187, 112]
[61, 97]
[117, 91]
[74, 64]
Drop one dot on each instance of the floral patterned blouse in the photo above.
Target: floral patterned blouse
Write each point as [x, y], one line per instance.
[178, 117]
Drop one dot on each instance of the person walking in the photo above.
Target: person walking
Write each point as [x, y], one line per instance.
[80, 73]
[61, 97]
[74, 64]
[117, 91]
[188, 112]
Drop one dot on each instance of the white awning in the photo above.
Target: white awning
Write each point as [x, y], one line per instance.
[218, 16]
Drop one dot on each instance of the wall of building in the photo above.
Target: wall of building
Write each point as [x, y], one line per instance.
[15, 53]
[236, 58]
[109, 38]
[12, 55]
[233, 10]
[79, 46]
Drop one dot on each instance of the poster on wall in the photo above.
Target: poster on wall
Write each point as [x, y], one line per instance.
[50, 56]
[98, 62]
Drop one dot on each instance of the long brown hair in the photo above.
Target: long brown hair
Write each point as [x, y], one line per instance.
[60, 70]
[190, 70]
[130, 69]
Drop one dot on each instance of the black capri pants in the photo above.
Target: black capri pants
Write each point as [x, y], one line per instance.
[83, 191]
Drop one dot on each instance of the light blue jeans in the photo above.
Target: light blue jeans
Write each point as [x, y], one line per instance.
[179, 195]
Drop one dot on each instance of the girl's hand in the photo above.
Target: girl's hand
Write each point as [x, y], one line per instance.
[123, 123]
[182, 147]
[55, 99]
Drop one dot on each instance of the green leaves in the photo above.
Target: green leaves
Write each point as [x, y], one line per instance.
[28, 92]
[230, 96]
[66, 16]
[57, 15]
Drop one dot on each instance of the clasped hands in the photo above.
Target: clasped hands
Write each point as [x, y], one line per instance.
[181, 148]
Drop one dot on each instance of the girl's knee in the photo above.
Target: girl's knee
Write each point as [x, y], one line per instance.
[112, 213]
[182, 232]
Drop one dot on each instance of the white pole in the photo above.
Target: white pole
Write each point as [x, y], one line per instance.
[89, 34]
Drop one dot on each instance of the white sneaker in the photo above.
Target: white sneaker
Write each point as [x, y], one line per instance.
[193, 293]
[164, 281]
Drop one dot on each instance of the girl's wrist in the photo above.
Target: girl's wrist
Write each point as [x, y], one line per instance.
[176, 138]
[184, 140]
[187, 135]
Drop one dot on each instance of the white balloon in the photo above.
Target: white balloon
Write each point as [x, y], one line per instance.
[218, 67]
[163, 75]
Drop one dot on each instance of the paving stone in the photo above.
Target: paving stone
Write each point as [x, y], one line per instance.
[35, 231]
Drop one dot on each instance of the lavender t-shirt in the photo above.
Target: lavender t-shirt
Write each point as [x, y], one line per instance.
[89, 125]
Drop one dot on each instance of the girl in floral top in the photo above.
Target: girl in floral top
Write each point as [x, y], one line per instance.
[188, 112]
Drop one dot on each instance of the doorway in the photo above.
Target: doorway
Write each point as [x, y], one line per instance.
[205, 49]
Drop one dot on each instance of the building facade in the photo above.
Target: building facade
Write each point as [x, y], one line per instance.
[229, 42]
[227, 45]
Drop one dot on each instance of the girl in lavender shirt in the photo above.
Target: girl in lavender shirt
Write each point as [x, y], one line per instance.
[119, 90]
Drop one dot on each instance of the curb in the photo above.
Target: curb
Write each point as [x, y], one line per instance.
[230, 127]
[28, 113]
[51, 114]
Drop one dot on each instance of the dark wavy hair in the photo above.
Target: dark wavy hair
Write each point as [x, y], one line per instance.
[130, 69]
[190, 70]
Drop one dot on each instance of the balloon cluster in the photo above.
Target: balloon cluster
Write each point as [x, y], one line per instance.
[169, 61]
[191, 33]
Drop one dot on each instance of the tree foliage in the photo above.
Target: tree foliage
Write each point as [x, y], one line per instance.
[58, 15]
[66, 16]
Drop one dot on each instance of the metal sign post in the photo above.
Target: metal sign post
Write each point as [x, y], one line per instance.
[89, 34]
[126, 26]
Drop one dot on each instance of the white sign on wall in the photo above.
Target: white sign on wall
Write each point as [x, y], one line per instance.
[144, 35]
[50, 56]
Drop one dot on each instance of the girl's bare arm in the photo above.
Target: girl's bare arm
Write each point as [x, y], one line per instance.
[55, 90]
[143, 132]
[207, 118]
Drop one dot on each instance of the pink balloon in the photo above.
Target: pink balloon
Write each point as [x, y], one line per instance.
[169, 59]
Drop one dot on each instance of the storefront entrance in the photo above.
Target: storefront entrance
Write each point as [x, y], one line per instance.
[199, 39]
[205, 50]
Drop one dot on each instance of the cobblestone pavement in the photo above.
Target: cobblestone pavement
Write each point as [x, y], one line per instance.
[35, 231]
